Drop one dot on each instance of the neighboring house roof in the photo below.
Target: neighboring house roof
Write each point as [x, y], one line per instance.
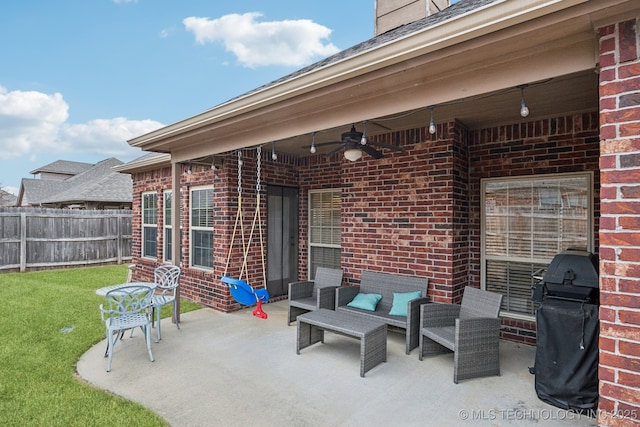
[34, 191]
[99, 183]
[65, 167]
[7, 199]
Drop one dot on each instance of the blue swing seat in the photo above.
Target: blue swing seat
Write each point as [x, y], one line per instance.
[243, 293]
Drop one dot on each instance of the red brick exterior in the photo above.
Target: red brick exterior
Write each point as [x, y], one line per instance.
[619, 227]
[413, 212]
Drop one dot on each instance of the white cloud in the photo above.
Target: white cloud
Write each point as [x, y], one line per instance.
[33, 123]
[289, 43]
[125, 1]
[107, 137]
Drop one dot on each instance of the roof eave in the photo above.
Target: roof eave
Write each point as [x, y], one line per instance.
[479, 22]
[144, 164]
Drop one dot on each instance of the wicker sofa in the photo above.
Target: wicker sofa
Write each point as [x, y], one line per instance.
[386, 285]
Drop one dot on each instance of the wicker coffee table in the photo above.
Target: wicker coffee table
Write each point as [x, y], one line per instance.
[371, 332]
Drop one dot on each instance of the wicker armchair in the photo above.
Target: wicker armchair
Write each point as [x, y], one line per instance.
[311, 295]
[471, 330]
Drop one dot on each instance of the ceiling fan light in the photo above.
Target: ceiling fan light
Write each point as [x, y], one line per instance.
[363, 141]
[352, 154]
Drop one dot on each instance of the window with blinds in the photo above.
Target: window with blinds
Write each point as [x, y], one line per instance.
[168, 235]
[202, 227]
[324, 229]
[526, 222]
[149, 224]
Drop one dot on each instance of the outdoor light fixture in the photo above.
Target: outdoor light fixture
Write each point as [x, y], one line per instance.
[274, 156]
[189, 170]
[363, 140]
[432, 124]
[524, 110]
[217, 162]
[313, 142]
[352, 154]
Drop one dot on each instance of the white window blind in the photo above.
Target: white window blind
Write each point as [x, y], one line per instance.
[149, 224]
[324, 229]
[526, 222]
[202, 227]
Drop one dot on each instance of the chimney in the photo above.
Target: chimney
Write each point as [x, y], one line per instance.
[392, 14]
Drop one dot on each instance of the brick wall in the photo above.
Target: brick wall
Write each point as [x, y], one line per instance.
[397, 212]
[620, 225]
[414, 212]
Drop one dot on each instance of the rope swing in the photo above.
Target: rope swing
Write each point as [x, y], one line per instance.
[241, 291]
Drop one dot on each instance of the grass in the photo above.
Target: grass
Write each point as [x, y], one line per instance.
[48, 319]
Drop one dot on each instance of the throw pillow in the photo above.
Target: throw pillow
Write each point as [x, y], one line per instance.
[400, 301]
[365, 301]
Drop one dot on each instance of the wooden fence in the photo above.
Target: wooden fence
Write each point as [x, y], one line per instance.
[35, 238]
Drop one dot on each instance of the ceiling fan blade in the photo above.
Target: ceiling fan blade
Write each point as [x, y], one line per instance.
[335, 150]
[382, 145]
[371, 151]
[322, 144]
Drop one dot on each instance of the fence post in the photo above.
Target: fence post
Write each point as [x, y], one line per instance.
[23, 241]
[119, 241]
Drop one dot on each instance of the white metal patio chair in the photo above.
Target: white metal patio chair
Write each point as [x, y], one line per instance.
[126, 308]
[166, 278]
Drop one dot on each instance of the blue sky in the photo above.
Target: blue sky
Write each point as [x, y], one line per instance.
[78, 78]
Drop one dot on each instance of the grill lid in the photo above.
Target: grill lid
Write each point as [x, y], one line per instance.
[573, 268]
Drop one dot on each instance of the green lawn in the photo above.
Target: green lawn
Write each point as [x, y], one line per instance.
[48, 319]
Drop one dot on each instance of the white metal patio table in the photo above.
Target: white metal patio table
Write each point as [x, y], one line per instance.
[103, 291]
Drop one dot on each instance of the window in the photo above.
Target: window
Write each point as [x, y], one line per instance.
[168, 202]
[324, 230]
[202, 227]
[526, 222]
[149, 224]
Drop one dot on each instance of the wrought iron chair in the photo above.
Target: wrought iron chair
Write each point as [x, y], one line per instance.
[166, 278]
[310, 295]
[471, 330]
[126, 308]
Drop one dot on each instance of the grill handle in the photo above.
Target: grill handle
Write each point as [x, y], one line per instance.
[569, 277]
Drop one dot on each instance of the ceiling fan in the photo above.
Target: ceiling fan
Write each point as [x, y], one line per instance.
[354, 143]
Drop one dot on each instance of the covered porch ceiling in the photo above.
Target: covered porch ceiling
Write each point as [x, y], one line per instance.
[468, 68]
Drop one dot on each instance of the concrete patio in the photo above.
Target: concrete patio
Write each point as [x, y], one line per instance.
[238, 370]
